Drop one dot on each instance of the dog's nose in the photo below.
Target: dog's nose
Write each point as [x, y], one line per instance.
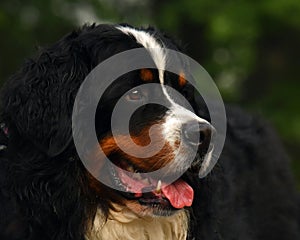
[198, 133]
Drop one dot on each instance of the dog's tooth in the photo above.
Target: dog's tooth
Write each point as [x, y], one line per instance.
[158, 187]
[130, 169]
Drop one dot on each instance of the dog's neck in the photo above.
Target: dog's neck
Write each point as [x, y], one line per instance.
[124, 224]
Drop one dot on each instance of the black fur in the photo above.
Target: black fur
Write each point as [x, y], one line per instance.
[44, 194]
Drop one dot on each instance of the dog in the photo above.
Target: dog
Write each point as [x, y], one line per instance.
[47, 192]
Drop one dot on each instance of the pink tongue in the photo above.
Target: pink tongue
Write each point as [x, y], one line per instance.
[179, 193]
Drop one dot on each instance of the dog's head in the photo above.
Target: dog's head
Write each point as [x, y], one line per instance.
[164, 135]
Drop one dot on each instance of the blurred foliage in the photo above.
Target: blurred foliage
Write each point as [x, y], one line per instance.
[250, 48]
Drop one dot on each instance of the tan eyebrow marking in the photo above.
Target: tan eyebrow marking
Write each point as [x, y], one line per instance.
[146, 75]
[181, 79]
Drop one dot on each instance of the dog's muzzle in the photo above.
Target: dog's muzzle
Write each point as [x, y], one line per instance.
[199, 134]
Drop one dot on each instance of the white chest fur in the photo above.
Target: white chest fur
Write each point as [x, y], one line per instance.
[123, 224]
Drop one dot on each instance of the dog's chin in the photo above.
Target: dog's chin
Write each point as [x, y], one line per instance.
[144, 209]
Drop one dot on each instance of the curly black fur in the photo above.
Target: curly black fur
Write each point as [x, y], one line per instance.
[44, 194]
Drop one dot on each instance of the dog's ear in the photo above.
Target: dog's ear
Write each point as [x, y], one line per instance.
[38, 100]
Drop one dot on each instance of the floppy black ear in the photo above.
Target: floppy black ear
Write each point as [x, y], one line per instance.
[38, 100]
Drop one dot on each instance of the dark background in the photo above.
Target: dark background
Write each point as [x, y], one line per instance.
[250, 48]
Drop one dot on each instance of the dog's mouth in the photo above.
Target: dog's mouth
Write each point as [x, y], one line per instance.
[159, 194]
[151, 192]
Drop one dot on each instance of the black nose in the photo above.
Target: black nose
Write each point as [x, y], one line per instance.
[198, 133]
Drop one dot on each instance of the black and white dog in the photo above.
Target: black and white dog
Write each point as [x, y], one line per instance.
[47, 193]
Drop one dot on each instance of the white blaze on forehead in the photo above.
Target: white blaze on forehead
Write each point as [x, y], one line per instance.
[158, 54]
[149, 42]
[155, 49]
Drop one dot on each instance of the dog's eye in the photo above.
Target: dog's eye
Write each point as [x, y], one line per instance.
[135, 95]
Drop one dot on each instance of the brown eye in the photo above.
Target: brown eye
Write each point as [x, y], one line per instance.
[135, 95]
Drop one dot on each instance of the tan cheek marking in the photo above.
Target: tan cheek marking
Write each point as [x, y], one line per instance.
[159, 160]
[146, 75]
[181, 79]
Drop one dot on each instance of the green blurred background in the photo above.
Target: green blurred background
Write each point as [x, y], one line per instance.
[250, 47]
